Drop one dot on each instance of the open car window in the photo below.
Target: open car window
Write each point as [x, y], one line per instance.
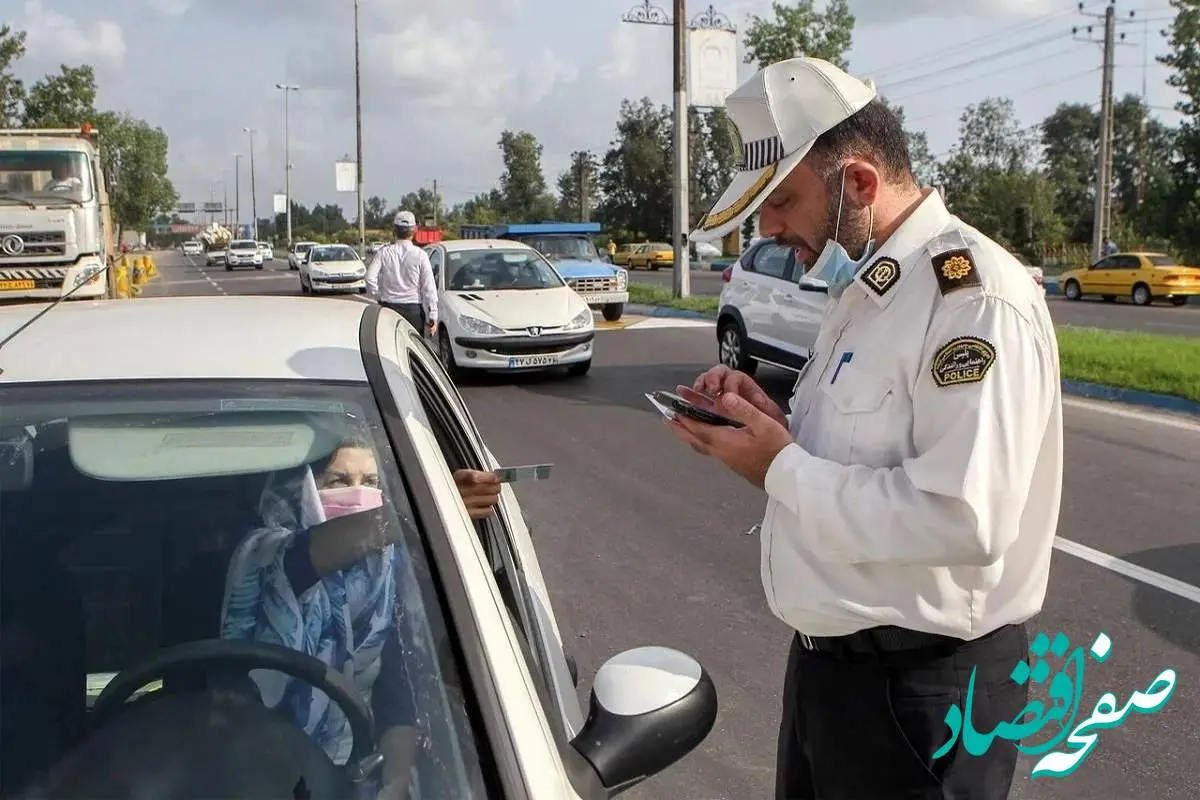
[140, 517]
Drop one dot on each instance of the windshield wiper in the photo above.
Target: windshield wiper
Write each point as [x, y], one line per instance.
[16, 198]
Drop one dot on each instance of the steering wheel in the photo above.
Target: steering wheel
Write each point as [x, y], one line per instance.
[210, 654]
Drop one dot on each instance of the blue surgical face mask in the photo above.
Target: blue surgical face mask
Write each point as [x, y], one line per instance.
[834, 265]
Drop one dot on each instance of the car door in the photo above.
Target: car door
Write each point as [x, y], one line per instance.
[1124, 273]
[803, 308]
[767, 275]
[514, 561]
[1098, 278]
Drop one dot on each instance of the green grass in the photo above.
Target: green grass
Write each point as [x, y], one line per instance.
[650, 295]
[1144, 361]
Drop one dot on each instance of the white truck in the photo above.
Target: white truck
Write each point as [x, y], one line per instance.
[216, 239]
[56, 227]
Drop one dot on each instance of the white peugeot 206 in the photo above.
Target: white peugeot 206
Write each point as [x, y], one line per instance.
[248, 573]
[503, 306]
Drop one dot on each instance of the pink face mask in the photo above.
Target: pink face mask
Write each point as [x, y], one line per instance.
[343, 500]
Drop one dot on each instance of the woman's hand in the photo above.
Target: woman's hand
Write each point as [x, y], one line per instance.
[480, 491]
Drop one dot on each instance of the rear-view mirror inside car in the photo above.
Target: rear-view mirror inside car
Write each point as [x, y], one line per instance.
[147, 447]
[650, 707]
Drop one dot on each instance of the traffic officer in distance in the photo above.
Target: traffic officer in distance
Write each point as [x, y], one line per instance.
[401, 278]
[913, 492]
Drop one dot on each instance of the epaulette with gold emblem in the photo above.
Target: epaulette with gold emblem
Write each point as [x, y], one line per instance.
[955, 269]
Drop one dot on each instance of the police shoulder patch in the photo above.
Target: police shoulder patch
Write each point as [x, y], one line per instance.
[955, 269]
[882, 275]
[963, 360]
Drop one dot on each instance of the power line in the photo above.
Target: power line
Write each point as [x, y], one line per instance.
[1018, 48]
[1038, 85]
[941, 53]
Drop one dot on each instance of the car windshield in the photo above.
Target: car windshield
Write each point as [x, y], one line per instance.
[494, 269]
[239, 244]
[1157, 260]
[333, 254]
[45, 176]
[577, 248]
[304, 247]
[139, 517]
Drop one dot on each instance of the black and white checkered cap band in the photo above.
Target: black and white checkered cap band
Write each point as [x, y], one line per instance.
[761, 153]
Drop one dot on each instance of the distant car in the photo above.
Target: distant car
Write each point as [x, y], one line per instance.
[214, 256]
[298, 253]
[374, 247]
[268, 252]
[1142, 277]
[706, 251]
[333, 268]
[621, 258]
[769, 311]
[192, 248]
[502, 306]
[652, 256]
[141, 487]
[243, 253]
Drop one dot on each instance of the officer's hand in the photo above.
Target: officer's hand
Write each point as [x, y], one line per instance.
[432, 327]
[721, 380]
[480, 491]
[747, 451]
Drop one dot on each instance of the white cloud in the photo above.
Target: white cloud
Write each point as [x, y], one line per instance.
[172, 8]
[871, 13]
[53, 35]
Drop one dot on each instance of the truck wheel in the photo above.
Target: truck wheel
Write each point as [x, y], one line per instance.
[613, 311]
[580, 369]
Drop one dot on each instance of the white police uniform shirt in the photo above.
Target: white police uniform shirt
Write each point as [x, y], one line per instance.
[401, 273]
[923, 487]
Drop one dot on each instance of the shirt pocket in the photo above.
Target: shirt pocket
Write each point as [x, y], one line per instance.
[860, 418]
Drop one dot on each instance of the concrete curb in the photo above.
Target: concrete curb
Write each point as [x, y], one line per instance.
[1091, 391]
[1051, 285]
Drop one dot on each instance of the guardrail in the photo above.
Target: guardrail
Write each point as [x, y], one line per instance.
[130, 275]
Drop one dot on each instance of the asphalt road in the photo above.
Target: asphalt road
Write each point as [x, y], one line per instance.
[642, 542]
[1094, 313]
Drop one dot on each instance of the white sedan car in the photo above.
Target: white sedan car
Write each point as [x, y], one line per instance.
[503, 306]
[332, 268]
[152, 497]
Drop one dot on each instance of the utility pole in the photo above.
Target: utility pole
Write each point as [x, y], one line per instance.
[362, 221]
[287, 157]
[253, 187]
[1102, 213]
[437, 205]
[1144, 123]
[647, 14]
[237, 189]
[582, 165]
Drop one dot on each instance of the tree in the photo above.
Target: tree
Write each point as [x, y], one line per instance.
[1184, 63]
[523, 186]
[580, 180]
[12, 90]
[65, 100]
[375, 211]
[422, 203]
[136, 154]
[1069, 141]
[800, 30]
[635, 175]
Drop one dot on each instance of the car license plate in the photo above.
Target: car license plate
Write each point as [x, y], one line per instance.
[16, 286]
[594, 299]
[532, 361]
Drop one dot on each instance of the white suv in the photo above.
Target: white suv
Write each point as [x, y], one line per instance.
[769, 311]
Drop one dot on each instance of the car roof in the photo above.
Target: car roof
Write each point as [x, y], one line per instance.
[458, 245]
[151, 338]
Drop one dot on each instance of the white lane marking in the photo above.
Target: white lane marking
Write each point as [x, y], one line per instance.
[1115, 410]
[670, 322]
[1122, 567]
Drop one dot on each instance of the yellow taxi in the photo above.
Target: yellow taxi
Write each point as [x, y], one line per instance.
[621, 257]
[1142, 277]
[652, 255]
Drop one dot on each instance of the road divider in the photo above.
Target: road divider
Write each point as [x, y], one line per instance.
[1144, 369]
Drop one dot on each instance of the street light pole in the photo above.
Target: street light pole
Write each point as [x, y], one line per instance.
[287, 157]
[362, 222]
[237, 189]
[253, 187]
[646, 13]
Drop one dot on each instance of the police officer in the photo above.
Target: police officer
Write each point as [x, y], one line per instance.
[400, 277]
[913, 492]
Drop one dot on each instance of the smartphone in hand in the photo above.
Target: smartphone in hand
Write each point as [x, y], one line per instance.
[669, 404]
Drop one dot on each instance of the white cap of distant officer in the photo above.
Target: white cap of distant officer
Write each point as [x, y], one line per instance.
[778, 114]
[405, 219]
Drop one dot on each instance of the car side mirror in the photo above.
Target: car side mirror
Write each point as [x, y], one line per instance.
[813, 285]
[649, 707]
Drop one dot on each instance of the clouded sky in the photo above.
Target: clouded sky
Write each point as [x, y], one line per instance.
[442, 80]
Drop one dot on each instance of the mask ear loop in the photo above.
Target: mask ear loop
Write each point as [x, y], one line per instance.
[837, 224]
[870, 231]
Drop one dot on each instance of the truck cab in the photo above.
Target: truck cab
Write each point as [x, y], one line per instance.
[569, 247]
[56, 229]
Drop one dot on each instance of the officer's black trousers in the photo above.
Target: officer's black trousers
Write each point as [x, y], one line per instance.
[860, 727]
[413, 312]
